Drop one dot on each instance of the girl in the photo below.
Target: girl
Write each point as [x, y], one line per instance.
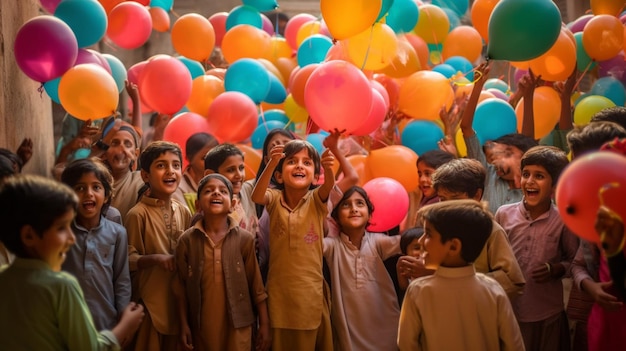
[219, 277]
[99, 258]
[355, 258]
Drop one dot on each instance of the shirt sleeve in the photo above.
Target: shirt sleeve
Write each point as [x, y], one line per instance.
[121, 274]
[410, 326]
[579, 266]
[569, 247]
[387, 246]
[508, 328]
[474, 150]
[135, 227]
[503, 266]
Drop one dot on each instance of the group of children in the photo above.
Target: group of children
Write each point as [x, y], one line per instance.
[163, 258]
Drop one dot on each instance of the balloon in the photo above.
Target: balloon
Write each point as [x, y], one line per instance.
[298, 80]
[610, 88]
[252, 160]
[461, 148]
[88, 92]
[558, 62]
[204, 89]
[498, 94]
[423, 94]
[546, 111]
[272, 69]
[267, 25]
[277, 93]
[260, 132]
[313, 50]
[160, 19]
[463, 41]
[52, 89]
[588, 106]
[346, 18]
[607, 7]
[87, 19]
[279, 49]
[293, 27]
[232, 117]
[45, 48]
[578, 185]
[295, 112]
[615, 67]
[130, 25]
[404, 63]
[338, 96]
[387, 214]
[135, 71]
[462, 65]
[394, 161]
[261, 5]
[376, 115]
[603, 37]
[392, 88]
[218, 20]
[165, 84]
[236, 43]
[495, 83]
[164, 4]
[273, 115]
[402, 16]
[359, 163]
[373, 48]
[459, 7]
[494, 118]
[249, 77]
[421, 49]
[433, 24]
[384, 8]
[480, 13]
[579, 24]
[244, 15]
[118, 71]
[49, 5]
[308, 29]
[195, 68]
[317, 140]
[445, 69]
[583, 61]
[92, 56]
[182, 126]
[422, 136]
[193, 37]
[453, 18]
[522, 30]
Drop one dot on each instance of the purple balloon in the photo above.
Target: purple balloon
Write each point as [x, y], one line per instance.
[45, 48]
[615, 67]
[579, 24]
[91, 56]
[519, 73]
[49, 5]
[267, 25]
[498, 94]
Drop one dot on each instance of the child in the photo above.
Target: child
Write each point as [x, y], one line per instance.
[295, 285]
[154, 226]
[544, 248]
[411, 259]
[456, 308]
[355, 259]
[218, 270]
[99, 257]
[42, 307]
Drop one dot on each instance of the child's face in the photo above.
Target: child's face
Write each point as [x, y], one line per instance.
[214, 198]
[414, 248]
[537, 186]
[234, 169]
[425, 173]
[508, 163]
[197, 161]
[277, 139]
[298, 171]
[434, 252]
[353, 213]
[91, 197]
[122, 152]
[54, 242]
[164, 176]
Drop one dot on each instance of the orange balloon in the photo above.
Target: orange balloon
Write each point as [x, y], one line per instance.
[217, 72]
[346, 18]
[395, 161]
[251, 159]
[421, 49]
[339, 51]
[463, 41]
[272, 69]
[433, 24]
[462, 87]
[359, 163]
[607, 7]
[243, 41]
[266, 106]
[204, 90]
[88, 91]
[392, 87]
[109, 4]
[306, 30]
[558, 62]
[279, 49]
[484, 95]
[404, 63]
[160, 19]
[285, 66]
[603, 37]
[297, 83]
[423, 93]
[520, 64]
[546, 111]
[480, 13]
[193, 37]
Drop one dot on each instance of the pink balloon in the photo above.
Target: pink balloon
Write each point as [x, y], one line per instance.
[267, 25]
[292, 27]
[519, 73]
[378, 86]
[218, 20]
[165, 84]
[49, 5]
[377, 114]
[232, 117]
[337, 95]
[134, 72]
[387, 214]
[92, 56]
[182, 126]
[45, 48]
[498, 94]
[130, 25]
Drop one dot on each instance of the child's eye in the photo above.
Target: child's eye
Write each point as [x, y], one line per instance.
[176, 166]
[97, 187]
[79, 188]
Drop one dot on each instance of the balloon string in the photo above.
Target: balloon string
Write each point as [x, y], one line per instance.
[476, 79]
[582, 75]
[367, 52]
[174, 13]
[40, 90]
[263, 119]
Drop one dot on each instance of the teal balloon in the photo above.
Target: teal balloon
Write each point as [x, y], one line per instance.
[583, 61]
[317, 140]
[313, 49]
[164, 4]
[118, 71]
[248, 76]
[402, 16]
[52, 89]
[459, 7]
[453, 18]
[386, 5]
[611, 89]
[86, 18]
[521, 30]
[463, 65]
[494, 118]
[445, 69]
[261, 5]
[421, 136]
[273, 115]
[277, 93]
[244, 15]
[195, 68]
[260, 132]
[495, 83]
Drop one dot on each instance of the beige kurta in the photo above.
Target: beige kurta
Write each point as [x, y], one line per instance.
[125, 193]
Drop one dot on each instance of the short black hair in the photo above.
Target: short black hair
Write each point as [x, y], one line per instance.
[466, 220]
[517, 140]
[156, 149]
[354, 189]
[76, 169]
[461, 175]
[553, 159]
[217, 155]
[292, 148]
[30, 200]
[592, 136]
[197, 142]
[407, 237]
[435, 158]
[615, 114]
[202, 183]
[6, 167]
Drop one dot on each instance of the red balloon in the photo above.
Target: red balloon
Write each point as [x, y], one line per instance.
[578, 191]
[232, 117]
[376, 116]
[134, 72]
[182, 126]
[165, 84]
[130, 25]
[387, 214]
[218, 20]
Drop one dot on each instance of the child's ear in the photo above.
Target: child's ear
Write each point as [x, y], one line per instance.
[144, 176]
[208, 171]
[278, 175]
[28, 235]
[455, 247]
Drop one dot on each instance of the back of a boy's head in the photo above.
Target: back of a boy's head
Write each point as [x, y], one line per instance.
[217, 155]
[616, 114]
[407, 237]
[35, 201]
[553, 159]
[295, 146]
[435, 158]
[197, 142]
[592, 136]
[467, 220]
[517, 140]
[156, 149]
[461, 175]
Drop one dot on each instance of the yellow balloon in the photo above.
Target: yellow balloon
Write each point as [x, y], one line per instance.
[204, 89]
[433, 24]
[422, 94]
[461, 148]
[269, 66]
[588, 106]
[373, 48]
[306, 30]
[404, 63]
[279, 49]
[88, 91]
[295, 112]
[345, 18]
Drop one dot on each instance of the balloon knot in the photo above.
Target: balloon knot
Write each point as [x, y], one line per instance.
[570, 210]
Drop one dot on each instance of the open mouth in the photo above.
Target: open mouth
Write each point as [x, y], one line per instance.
[89, 205]
[532, 193]
[170, 181]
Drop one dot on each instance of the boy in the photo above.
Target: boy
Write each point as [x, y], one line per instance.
[154, 226]
[42, 307]
[544, 248]
[456, 308]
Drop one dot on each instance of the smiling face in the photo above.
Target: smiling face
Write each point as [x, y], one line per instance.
[234, 169]
[53, 244]
[91, 198]
[508, 163]
[353, 213]
[434, 252]
[122, 152]
[298, 171]
[537, 187]
[276, 139]
[215, 198]
[425, 172]
[164, 176]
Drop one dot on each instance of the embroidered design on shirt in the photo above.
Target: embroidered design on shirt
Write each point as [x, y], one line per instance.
[311, 236]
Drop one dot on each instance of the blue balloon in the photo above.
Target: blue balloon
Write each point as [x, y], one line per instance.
[463, 65]
[244, 15]
[611, 89]
[250, 77]
[494, 118]
[261, 5]
[52, 89]
[445, 69]
[277, 93]
[313, 49]
[421, 136]
[495, 83]
[164, 4]
[317, 140]
[453, 18]
[118, 71]
[402, 16]
[459, 7]
[386, 5]
[260, 132]
[195, 68]
[273, 115]
[87, 19]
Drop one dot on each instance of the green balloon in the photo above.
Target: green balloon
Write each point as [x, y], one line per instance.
[521, 30]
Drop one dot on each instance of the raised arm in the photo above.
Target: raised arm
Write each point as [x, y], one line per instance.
[527, 86]
[258, 193]
[133, 94]
[468, 114]
[350, 176]
[328, 160]
[565, 92]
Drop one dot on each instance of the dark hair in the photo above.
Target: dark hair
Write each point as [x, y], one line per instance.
[435, 158]
[408, 236]
[590, 137]
[292, 148]
[461, 175]
[197, 142]
[34, 201]
[76, 169]
[354, 189]
[156, 149]
[551, 158]
[517, 140]
[203, 182]
[217, 155]
[16, 161]
[615, 114]
[466, 220]
[6, 167]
